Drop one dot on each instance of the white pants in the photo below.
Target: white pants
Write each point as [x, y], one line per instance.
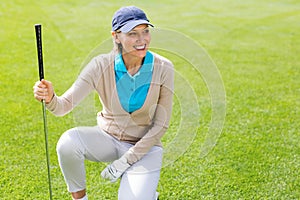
[139, 182]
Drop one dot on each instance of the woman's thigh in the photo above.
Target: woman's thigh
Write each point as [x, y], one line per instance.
[94, 143]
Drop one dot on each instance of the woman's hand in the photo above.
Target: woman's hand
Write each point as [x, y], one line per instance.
[43, 90]
[115, 170]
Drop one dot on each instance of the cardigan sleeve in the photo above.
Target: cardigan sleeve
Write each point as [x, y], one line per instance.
[85, 83]
[161, 118]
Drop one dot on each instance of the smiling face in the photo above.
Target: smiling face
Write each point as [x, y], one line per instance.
[134, 43]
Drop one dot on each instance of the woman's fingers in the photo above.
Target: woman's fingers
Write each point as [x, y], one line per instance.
[43, 90]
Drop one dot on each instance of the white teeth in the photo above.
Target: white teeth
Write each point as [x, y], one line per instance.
[140, 47]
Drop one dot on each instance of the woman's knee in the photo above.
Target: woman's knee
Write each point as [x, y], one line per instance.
[66, 144]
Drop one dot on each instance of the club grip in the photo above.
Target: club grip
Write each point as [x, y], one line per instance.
[38, 34]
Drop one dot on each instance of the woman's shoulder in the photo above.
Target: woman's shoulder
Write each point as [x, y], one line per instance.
[160, 58]
[162, 63]
[105, 60]
[98, 65]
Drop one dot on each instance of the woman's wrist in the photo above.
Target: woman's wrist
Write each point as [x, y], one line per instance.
[47, 102]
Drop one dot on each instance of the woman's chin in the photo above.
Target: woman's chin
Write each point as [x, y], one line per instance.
[140, 53]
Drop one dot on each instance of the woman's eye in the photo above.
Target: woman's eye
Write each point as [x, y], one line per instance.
[132, 33]
[146, 31]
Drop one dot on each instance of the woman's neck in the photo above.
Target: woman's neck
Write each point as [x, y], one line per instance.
[132, 63]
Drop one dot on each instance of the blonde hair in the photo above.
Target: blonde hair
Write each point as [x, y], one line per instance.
[117, 46]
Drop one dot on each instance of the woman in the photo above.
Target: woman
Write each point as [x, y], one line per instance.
[135, 87]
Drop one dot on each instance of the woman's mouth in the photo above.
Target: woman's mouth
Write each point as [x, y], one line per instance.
[140, 47]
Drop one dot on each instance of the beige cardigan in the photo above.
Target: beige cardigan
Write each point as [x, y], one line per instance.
[145, 126]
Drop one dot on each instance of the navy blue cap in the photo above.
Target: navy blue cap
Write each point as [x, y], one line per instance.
[126, 18]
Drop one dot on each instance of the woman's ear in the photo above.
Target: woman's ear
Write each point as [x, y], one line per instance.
[115, 36]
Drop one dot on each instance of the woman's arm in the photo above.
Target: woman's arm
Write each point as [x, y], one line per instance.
[61, 105]
[85, 83]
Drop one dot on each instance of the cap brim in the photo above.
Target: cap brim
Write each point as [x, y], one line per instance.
[130, 25]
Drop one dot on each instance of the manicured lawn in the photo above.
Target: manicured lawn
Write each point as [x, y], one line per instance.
[255, 46]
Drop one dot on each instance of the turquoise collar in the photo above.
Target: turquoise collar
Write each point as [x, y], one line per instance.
[146, 67]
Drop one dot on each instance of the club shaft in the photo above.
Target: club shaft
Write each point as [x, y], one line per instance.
[46, 146]
[38, 31]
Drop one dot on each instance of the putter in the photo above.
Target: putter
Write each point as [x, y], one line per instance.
[38, 33]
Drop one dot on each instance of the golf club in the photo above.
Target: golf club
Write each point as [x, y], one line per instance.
[38, 32]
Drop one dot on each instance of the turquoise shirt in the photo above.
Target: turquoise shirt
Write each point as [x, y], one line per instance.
[133, 90]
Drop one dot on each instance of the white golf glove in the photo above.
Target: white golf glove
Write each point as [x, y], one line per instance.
[115, 169]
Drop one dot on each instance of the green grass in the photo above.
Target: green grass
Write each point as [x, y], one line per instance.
[256, 46]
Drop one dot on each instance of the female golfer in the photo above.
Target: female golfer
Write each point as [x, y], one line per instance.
[135, 87]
